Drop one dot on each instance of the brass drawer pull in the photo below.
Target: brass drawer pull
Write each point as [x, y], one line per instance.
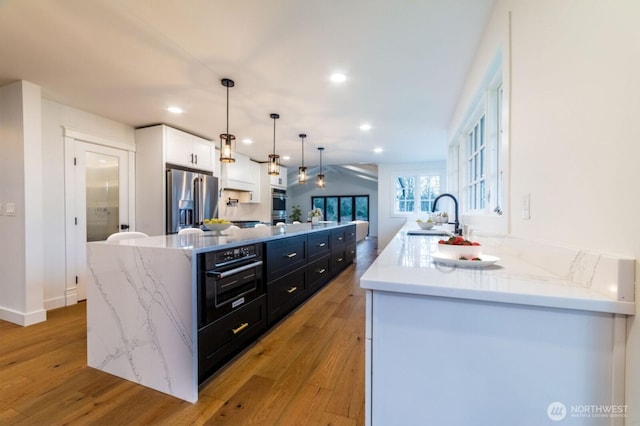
[321, 271]
[292, 289]
[322, 244]
[339, 238]
[290, 255]
[340, 260]
[239, 329]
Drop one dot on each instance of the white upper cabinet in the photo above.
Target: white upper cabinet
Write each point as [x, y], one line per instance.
[184, 149]
[280, 181]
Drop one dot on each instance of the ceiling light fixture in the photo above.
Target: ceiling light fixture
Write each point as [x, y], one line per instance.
[320, 182]
[377, 150]
[247, 141]
[274, 159]
[365, 127]
[338, 77]
[226, 139]
[175, 110]
[302, 170]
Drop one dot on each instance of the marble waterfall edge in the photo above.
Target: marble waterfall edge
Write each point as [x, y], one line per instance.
[140, 316]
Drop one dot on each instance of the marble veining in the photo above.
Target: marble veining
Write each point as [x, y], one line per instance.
[528, 272]
[140, 316]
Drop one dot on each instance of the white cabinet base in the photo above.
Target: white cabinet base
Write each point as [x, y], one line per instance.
[441, 361]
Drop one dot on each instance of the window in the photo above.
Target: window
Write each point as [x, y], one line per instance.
[416, 193]
[480, 153]
[343, 208]
[476, 149]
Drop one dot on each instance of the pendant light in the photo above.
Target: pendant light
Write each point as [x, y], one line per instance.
[302, 170]
[274, 159]
[226, 139]
[320, 179]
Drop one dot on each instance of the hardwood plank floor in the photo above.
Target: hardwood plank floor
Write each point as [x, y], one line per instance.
[307, 370]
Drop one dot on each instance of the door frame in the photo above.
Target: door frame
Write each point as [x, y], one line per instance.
[72, 246]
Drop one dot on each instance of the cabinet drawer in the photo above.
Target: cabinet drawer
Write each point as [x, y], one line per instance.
[318, 273]
[285, 255]
[350, 234]
[350, 252]
[222, 339]
[285, 293]
[337, 237]
[318, 244]
[338, 261]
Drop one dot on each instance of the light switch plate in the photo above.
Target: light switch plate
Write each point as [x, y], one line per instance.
[525, 212]
[11, 209]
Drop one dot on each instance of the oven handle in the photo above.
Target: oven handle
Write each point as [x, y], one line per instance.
[233, 271]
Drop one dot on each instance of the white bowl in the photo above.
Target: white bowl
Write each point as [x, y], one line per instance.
[425, 225]
[216, 227]
[456, 252]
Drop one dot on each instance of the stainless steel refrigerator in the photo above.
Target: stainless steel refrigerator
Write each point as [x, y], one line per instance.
[191, 198]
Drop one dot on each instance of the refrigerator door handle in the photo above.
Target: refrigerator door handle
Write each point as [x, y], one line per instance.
[197, 201]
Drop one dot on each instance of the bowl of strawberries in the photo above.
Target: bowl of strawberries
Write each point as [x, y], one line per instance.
[458, 247]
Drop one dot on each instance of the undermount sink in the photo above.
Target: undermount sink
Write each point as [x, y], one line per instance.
[436, 232]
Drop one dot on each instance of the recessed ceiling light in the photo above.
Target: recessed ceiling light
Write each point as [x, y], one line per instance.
[377, 150]
[365, 127]
[175, 110]
[286, 157]
[247, 141]
[338, 77]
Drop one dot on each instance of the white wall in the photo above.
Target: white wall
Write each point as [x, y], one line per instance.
[55, 117]
[21, 254]
[574, 145]
[32, 256]
[336, 184]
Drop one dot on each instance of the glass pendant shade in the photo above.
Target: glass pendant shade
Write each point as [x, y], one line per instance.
[302, 170]
[320, 182]
[274, 164]
[226, 148]
[274, 159]
[226, 139]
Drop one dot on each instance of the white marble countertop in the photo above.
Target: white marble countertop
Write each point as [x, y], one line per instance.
[407, 266]
[228, 238]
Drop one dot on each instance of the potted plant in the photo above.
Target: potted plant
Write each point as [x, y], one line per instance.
[296, 214]
[315, 215]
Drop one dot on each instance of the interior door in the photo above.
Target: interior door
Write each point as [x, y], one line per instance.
[97, 204]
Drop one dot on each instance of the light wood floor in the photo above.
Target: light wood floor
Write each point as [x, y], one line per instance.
[307, 370]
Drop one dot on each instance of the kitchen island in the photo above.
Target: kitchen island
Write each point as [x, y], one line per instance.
[539, 335]
[146, 317]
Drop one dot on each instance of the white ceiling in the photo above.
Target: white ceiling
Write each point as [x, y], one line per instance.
[128, 60]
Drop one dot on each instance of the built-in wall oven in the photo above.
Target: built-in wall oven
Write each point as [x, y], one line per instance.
[231, 304]
[228, 280]
[278, 205]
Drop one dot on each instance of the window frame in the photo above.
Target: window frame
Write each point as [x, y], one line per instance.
[417, 175]
[489, 104]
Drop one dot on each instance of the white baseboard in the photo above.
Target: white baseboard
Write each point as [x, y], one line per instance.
[21, 318]
[55, 303]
